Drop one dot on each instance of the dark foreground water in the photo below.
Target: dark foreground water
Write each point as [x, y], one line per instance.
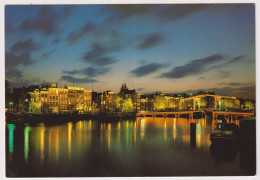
[142, 147]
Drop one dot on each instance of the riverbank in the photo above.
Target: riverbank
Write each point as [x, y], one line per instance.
[59, 118]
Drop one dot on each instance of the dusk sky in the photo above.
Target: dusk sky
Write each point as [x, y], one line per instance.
[167, 48]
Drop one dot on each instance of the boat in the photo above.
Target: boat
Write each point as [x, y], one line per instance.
[224, 133]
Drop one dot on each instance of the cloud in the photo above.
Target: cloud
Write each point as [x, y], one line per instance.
[98, 54]
[179, 11]
[125, 11]
[14, 60]
[89, 71]
[13, 73]
[46, 21]
[48, 54]
[194, 67]
[88, 29]
[20, 54]
[56, 40]
[25, 46]
[164, 13]
[231, 61]
[77, 80]
[235, 84]
[223, 74]
[150, 41]
[242, 92]
[146, 69]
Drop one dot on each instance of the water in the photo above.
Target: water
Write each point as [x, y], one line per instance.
[142, 147]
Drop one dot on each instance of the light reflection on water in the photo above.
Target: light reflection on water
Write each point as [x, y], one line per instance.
[127, 142]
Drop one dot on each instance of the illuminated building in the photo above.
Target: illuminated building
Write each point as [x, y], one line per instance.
[60, 100]
[106, 100]
[136, 98]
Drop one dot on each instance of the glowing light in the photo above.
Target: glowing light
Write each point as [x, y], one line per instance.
[57, 144]
[11, 103]
[27, 130]
[11, 128]
[135, 132]
[174, 129]
[199, 132]
[42, 142]
[69, 137]
[142, 128]
[109, 136]
[164, 131]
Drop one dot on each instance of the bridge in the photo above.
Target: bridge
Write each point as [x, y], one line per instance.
[177, 114]
[166, 114]
[230, 115]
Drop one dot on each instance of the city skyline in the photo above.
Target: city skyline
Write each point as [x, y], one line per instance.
[167, 48]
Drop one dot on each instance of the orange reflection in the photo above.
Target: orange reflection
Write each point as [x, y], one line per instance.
[109, 136]
[164, 131]
[135, 132]
[69, 137]
[42, 141]
[174, 130]
[57, 143]
[118, 127]
[142, 128]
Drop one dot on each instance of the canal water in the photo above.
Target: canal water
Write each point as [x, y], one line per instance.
[142, 147]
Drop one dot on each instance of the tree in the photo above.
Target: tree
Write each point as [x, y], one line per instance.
[115, 105]
[188, 104]
[172, 103]
[127, 105]
[203, 102]
[249, 104]
[229, 104]
[160, 103]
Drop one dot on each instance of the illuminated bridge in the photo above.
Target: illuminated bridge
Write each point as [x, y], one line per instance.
[177, 114]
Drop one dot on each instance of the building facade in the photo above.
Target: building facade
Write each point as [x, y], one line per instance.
[60, 100]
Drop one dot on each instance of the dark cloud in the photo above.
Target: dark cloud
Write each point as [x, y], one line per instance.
[25, 46]
[46, 21]
[150, 41]
[56, 40]
[48, 54]
[12, 60]
[235, 84]
[20, 54]
[242, 92]
[231, 61]
[124, 11]
[223, 74]
[88, 29]
[165, 12]
[77, 80]
[179, 11]
[13, 73]
[89, 71]
[98, 54]
[146, 69]
[194, 67]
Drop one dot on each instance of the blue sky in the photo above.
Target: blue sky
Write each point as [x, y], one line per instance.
[167, 48]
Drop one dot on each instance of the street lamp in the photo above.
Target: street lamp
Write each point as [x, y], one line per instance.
[11, 104]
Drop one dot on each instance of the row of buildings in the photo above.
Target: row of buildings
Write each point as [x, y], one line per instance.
[60, 100]
[51, 99]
